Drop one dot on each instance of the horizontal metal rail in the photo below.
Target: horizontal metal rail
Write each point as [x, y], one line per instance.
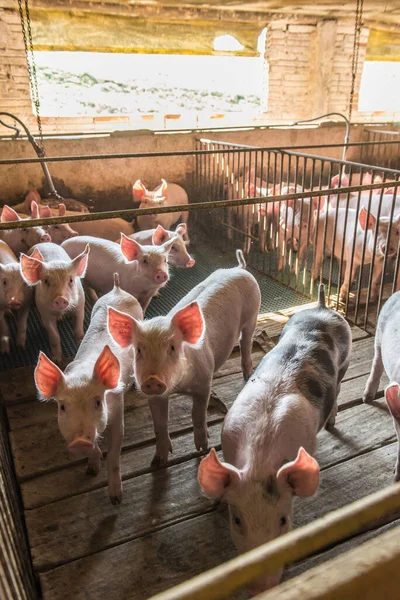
[340, 524]
[233, 150]
[234, 145]
[192, 207]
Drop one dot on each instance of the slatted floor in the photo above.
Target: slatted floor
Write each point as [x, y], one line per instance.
[165, 531]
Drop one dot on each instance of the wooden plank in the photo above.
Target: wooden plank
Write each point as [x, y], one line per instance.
[361, 358]
[323, 557]
[351, 390]
[357, 430]
[196, 545]
[137, 515]
[73, 480]
[146, 565]
[40, 448]
[369, 572]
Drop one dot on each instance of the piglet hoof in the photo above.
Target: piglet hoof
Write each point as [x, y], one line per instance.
[160, 458]
[367, 397]
[201, 439]
[5, 345]
[21, 343]
[79, 337]
[116, 500]
[92, 469]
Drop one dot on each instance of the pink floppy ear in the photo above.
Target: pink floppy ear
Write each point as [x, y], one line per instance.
[189, 320]
[34, 210]
[138, 191]
[164, 189]
[44, 212]
[302, 474]
[61, 210]
[214, 476]
[393, 400]
[160, 236]
[130, 249]
[47, 376]
[181, 229]
[37, 254]
[362, 219]
[366, 178]
[32, 195]
[121, 327]
[31, 269]
[107, 369]
[8, 215]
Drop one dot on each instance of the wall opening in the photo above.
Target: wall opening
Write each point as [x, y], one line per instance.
[380, 85]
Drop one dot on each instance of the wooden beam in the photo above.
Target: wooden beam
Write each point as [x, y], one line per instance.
[383, 45]
[368, 572]
[222, 581]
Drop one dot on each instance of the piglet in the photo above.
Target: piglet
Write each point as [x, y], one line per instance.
[270, 432]
[58, 233]
[58, 289]
[386, 359]
[181, 351]
[352, 229]
[90, 393]
[167, 194]
[15, 295]
[20, 240]
[143, 270]
[178, 255]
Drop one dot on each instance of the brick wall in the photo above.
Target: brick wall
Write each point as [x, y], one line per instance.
[310, 68]
[14, 80]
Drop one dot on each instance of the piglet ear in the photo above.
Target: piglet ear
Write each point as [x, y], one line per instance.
[44, 212]
[121, 327]
[160, 236]
[362, 219]
[107, 369]
[138, 191]
[189, 320]
[31, 269]
[393, 400]
[8, 215]
[302, 474]
[34, 210]
[164, 189]
[181, 229]
[61, 210]
[80, 262]
[366, 178]
[344, 180]
[32, 195]
[214, 476]
[37, 254]
[130, 249]
[166, 246]
[47, 376]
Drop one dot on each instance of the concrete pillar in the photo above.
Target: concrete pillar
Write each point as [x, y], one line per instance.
[14, 80]
[310, 68]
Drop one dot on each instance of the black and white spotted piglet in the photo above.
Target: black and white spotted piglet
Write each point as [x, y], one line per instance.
[271, 429]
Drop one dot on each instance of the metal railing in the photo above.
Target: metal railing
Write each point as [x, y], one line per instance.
[381, 148]
[309, 224]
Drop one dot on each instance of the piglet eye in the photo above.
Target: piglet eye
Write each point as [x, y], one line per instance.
[283, 521]
[4, 282]
[172, 348]
[145, 261]
[237, 521]
[98, 403]
[71, 280]
[62, 407]
[46, 281]
[138, 350]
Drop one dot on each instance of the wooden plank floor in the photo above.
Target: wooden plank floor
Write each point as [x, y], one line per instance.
[165, 531]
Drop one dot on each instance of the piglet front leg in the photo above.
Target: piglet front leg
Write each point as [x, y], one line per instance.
[159, 407]
[50, 323]
[22, 323]
[78, 318]
[199, 417]
[372, 385]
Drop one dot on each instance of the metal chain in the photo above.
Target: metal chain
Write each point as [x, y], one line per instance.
[30, 61]
[356, 50]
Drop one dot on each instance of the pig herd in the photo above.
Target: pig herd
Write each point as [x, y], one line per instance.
[270, 432]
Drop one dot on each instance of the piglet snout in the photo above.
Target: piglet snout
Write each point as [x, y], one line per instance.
[45, 237]
[14, 304]
[80, 446]
[190, 263]
[161, 277]
[153, 386]
[61, 303]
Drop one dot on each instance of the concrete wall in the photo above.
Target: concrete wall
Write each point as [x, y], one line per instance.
[108, 182]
